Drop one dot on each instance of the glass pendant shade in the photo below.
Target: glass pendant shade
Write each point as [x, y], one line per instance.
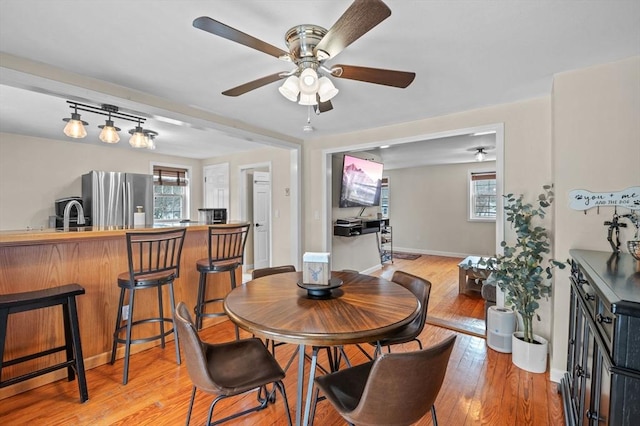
[109, 133]
[308, 82]
[151, 145]
[138, 139]
[308, 99]
[326, 90]
[480, 155]
[290, 88]
[75, 126]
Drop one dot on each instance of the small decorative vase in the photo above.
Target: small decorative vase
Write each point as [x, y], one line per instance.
[531, 357]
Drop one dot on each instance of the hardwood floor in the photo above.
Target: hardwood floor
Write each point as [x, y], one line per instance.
[447, 308]
[482, 386]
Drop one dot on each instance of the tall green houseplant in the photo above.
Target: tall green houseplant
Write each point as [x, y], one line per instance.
[519, 272]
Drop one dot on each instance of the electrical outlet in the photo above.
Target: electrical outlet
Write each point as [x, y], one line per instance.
[125, 313]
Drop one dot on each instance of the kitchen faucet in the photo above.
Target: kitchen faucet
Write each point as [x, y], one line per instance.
[67, 213]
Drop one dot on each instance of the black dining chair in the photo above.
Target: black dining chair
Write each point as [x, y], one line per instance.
[228, 369]
[421, 289]
[154, 262]
[393, 389]
[225, 254]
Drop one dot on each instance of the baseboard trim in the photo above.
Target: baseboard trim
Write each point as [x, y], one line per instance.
[436, 253]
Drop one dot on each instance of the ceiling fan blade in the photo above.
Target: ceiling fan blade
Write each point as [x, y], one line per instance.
[393, 78]
[356, 21]
[218, 28]
[255, 84]
[323, 106]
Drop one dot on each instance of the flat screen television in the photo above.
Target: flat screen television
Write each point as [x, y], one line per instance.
[361, 182]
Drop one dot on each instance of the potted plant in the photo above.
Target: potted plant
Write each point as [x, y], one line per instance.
[520, 274]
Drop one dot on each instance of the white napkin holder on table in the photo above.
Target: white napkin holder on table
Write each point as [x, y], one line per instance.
[316, 268]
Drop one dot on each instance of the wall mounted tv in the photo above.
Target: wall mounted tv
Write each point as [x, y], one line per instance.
[361, 182]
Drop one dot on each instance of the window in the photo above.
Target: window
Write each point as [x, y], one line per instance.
[170, 193]
[482, 196]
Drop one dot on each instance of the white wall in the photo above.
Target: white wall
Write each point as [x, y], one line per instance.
[596, 146]
[428, 208]
[281, 207]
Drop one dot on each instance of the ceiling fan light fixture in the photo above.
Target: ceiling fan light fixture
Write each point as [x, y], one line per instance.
[308, 99]
[290, 88]
[75, 126]
[309, 82]
[109, 133]
[480, 155]
[326, 89]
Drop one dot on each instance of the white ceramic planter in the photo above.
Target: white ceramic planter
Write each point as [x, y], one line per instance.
[529, 356]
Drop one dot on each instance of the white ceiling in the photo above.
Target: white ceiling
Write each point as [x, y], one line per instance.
[466, 55]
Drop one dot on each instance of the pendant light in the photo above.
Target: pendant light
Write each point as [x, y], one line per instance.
[109, 133]
[138, 138]
[75, 126]
[481, 155]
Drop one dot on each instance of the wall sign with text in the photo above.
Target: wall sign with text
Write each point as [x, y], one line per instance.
[580, 199]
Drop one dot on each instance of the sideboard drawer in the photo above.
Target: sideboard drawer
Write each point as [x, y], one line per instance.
[606, 322]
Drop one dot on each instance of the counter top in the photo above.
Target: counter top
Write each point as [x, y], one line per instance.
[22, 237]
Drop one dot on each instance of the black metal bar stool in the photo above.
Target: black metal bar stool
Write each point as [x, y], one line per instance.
[20, 302]
[226, 254]
[154, 262]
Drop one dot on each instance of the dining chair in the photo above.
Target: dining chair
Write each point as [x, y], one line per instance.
[421, 289]
[154, 262]
[228, 369]
[393, 389]
[225, 254]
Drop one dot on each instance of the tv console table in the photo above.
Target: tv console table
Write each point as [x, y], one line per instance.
[352, 227]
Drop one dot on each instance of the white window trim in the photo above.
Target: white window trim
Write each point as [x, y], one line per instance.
[470, 216]
[187, 195]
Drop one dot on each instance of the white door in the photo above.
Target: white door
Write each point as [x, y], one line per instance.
[216, 186]
[261, 219]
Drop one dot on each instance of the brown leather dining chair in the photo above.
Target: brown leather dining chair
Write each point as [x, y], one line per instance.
[228, 369]
[225, 254]
[421, 289]
[393, 389]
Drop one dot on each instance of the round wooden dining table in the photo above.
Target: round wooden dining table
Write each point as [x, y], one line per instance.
[363, 309]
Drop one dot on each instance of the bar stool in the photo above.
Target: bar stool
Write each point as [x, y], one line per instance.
[226, 254]
[20, 302]
[154, 261]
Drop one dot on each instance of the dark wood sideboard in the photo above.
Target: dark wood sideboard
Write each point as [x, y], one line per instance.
[602, 383]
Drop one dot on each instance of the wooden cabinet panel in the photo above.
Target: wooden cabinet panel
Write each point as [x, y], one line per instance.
[94, 263]
[602, 384]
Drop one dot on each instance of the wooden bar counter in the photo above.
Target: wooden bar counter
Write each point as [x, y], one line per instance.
[39, 259]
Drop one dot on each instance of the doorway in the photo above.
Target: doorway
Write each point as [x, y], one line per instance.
[451, 263]
[256, 201]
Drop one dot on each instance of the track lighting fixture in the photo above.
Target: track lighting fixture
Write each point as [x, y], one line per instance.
[109, 132]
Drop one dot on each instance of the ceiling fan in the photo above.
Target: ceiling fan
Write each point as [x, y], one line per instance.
[309, 47]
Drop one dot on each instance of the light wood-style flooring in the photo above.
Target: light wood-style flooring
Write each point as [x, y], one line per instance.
[482, 387]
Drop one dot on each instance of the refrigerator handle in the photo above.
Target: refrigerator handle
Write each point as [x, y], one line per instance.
[129, 210]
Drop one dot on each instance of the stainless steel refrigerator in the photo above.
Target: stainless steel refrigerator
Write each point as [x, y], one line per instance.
[111, 198]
